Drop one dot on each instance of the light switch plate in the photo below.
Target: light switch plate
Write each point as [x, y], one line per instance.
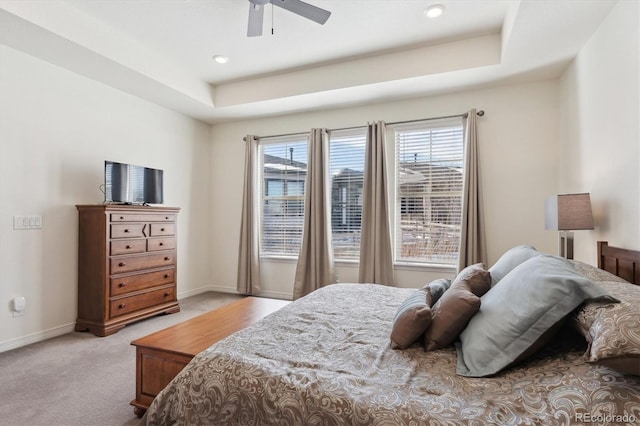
[27, 222]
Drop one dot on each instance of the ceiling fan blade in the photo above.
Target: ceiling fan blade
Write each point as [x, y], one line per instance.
[303, 9]
[256, 18]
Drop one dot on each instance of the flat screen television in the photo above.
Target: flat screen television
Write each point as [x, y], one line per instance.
[129, 184]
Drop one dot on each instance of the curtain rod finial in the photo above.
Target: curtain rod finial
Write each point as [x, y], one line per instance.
[480, 113]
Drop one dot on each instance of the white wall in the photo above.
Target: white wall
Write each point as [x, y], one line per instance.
[600, 131]
[518, 151]
[56, 130]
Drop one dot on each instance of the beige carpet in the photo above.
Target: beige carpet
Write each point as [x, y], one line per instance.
[80, 379]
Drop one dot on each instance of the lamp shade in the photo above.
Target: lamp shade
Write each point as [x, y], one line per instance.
[567, 212]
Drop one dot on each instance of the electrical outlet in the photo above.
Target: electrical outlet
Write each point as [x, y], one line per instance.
[17, 306]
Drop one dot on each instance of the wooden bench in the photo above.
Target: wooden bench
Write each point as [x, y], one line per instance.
[160, 356]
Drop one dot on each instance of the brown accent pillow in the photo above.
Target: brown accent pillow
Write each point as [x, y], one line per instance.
[477, 278]
[411, 320]
[450, 315]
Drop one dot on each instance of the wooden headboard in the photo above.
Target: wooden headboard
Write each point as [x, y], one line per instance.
[621, 262]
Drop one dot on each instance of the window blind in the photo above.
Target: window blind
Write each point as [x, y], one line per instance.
[346, 164]
[282, 174]
[429, 179]
[136, 179]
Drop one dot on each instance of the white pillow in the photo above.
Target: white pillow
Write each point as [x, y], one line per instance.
[509, 260]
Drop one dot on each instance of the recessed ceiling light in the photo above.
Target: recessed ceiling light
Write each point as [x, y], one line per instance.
[221, 59]
[434, 10]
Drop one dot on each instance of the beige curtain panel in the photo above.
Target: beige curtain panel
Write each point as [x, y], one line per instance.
[376, 261]
[248, 254]
[315, 267]
[473, 244]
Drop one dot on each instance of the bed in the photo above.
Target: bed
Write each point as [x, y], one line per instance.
[326, 360]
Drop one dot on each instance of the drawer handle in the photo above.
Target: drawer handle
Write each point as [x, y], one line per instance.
[122, 264]
[121, 217]
[161, 244]
[122, 285]
[166, 276]
[167, 294]
[128, 247]
[122, 306]
[126, 231]
[166, 218]
[167, 258]
[161, 229]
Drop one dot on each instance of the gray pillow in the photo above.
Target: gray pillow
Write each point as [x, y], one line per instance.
[411, 320]
[509, 260]
[435, 289]
[518, 311]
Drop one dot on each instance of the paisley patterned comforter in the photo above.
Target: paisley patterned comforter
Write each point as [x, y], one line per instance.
[326, 360]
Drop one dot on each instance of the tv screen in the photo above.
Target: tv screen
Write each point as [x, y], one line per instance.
[129, 184]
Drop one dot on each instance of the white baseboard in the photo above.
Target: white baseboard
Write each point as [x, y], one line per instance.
[36, 337]
[275, 295]
[195, 292]
[68, 328]
[270, 294]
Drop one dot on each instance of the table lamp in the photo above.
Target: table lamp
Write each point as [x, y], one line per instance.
[566, 213]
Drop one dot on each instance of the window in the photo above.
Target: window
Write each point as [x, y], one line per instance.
[346, 168]
[136, 179]
[283, 170]
[429, 178]
[428, 192]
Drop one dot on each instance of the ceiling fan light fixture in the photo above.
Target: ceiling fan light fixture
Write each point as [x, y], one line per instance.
[434, 10]
[221, 59]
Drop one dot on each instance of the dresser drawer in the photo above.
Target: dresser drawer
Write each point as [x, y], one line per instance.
[128, 246]
[155, 244]
[160, 229]
[142, 217]
[126, 305]
[130, 230]
[121, 265]
[137, 282]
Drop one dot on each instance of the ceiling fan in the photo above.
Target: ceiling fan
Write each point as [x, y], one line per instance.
[306, 10]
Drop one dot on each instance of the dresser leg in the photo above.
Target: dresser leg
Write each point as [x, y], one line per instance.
[172, 310]
[139, 411]
[81, 328]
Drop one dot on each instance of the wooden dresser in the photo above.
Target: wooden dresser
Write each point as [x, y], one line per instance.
[126, 265]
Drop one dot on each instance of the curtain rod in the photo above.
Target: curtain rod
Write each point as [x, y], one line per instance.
[479, 114]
